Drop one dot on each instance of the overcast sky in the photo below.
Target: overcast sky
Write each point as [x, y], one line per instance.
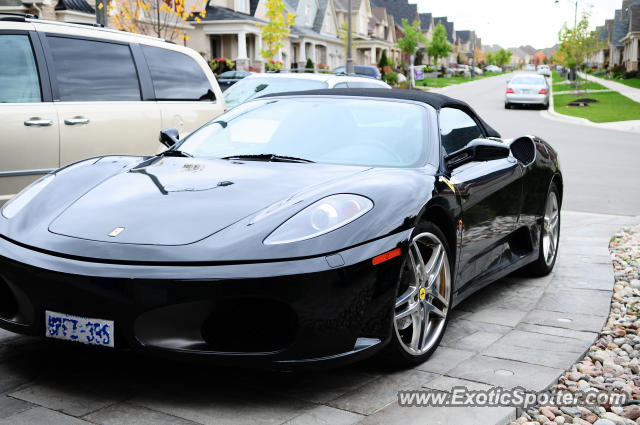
[512, 23]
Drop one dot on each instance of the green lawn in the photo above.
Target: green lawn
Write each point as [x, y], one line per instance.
[591, 85]
[444, 82]
[556, 77]
[631, 82]
[611, 106]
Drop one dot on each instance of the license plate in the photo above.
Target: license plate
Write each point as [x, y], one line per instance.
[525, 91]
[79, 329]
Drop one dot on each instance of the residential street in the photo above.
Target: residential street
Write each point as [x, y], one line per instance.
[600, 167]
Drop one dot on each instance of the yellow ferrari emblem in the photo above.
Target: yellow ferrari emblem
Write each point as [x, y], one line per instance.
[423, 293]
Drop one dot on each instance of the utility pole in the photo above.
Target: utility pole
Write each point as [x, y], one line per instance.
[101, 12]
[349, 58]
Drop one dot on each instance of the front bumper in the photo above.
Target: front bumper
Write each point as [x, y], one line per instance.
[281, 314]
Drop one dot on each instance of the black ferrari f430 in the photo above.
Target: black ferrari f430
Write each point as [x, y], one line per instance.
[296, 229]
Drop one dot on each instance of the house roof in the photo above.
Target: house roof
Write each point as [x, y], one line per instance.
[343, 4]
[293, 4]
[634, 18]
[447, 25]
[425, 21]
[399, 9]
[620, 29]
[75, 5]
[464, 35]
[321, 12]
[215, 13]
[380, 13]
[603, 34]
[253, 5]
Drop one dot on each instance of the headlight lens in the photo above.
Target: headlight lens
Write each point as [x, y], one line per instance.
[321, 217]
[17, 203]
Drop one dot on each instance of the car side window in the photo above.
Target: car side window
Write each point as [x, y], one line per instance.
[457, 129]
[19, 82]
[176, 76]
[88, 70]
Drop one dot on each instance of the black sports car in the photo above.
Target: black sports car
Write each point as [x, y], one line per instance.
[299, 228]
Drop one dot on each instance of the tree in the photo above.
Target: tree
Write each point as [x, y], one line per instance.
[309, 66]
[502, 57]
[413, 36]
[276, 30]
[491, 58]
[576, 44]
[539, 58]
[479, 56]
[343, 34]
[160, 18]
[384, 63]
[439, 46]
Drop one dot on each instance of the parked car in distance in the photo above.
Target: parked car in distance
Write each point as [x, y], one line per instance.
[530, 67]
[492, 68]
[527, 89]
[69, 92]
[361, 70]
[544, 70]
[229, 78]
[477, 70]
[257, 85]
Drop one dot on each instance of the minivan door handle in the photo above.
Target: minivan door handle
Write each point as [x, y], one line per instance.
[76, 121]
[38, 122]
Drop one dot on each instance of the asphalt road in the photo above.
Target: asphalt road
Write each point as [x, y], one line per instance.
[601, 167]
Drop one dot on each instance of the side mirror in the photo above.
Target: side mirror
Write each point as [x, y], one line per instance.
[169, 137]
[477, 150]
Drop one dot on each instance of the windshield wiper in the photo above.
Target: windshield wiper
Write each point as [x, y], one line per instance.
[268, 157]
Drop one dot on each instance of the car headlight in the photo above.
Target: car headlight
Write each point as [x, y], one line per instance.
[321, 217]
[17, 203]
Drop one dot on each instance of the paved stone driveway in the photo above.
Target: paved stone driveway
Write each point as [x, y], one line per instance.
[528, 330]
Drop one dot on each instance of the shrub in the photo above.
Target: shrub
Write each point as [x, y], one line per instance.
[384, 62]
[618, 71]
[391, 78]
[631, 74]
[309, 66]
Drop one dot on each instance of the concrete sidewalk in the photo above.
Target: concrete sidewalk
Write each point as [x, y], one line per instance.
[623, 89]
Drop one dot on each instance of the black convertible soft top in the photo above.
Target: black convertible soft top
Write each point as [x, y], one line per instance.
[436, 100]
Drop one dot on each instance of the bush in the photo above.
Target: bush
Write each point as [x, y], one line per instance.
[309, 66]
[384, 62]
[390, 78]
[631, 74]
[618, 71]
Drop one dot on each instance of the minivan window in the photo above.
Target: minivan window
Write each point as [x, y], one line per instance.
[176, 76]
[88, 70]
[19, 81]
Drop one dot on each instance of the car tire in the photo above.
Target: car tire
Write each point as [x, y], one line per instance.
[406, 350]
[507, 106]
[545, 106]
[550, 229]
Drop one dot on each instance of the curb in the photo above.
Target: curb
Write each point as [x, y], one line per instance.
[626, 126]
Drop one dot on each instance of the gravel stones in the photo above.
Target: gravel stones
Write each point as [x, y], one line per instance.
[612, 363]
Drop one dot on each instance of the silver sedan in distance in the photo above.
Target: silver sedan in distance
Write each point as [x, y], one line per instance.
[527, 89]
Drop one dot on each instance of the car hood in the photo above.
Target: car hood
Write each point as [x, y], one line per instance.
[179, 201]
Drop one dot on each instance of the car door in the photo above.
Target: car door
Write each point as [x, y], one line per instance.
[186, 97]
[99, 99]
[29, 145]
[490, 194]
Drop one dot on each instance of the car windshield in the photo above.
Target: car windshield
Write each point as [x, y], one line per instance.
[227, 75]
[528, 80]
[250, 88]
[328, 130]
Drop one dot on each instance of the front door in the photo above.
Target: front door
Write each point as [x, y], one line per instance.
[28, 119]
[490, 193]
[99, 100]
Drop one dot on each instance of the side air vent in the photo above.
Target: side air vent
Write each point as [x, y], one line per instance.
[524, 150]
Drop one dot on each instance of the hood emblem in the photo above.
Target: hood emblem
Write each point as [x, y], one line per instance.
[115, 232]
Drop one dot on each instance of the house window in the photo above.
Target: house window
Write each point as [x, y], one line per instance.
[308, 15]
